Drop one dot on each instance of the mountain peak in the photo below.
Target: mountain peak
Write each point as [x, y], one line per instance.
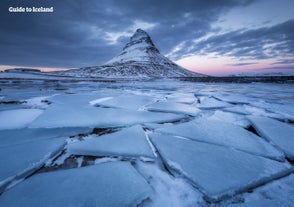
[139, 58]
[139, 34]
[140, 40]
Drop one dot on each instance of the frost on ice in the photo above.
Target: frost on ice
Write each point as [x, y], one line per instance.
[108, 184]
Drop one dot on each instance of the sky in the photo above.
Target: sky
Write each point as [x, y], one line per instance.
[214, 37]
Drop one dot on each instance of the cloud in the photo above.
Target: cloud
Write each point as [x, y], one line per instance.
[84, 33]
[250, 44]
[242, 64]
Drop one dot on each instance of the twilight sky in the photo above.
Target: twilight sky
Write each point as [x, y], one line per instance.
[215, 37]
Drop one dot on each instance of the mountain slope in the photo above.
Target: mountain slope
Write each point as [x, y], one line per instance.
[139, 58]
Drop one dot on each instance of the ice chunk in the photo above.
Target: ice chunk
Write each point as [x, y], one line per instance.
[186, 98]
[279, 133]
[133, 102]
[215, 170]
[13, 136]
[20, 160]
[130, 142]
[228, 117]
[211, 103]
[238, 109]
[18, 118]
[89, 116]
[224, 134]
[109, 185]
[174, 108]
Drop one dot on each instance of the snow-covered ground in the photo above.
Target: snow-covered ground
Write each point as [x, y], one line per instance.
[145, 143]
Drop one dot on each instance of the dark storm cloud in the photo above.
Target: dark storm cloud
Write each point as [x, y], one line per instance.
[263, 43]
[75, 34]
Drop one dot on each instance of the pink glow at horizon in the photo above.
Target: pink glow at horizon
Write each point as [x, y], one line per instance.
[226, 66]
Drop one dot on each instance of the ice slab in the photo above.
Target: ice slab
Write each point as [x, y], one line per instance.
[186, 98]
[285, 108]
[231, 118]
[109, 185]
[215, 170]
[17, 136]
[279, 133]
[225, 134]
[133, 102]
[238, 109]
[89, 116]
[130, 142]
[18, 118]
[173, 107]
[20, 160]
[211, 103]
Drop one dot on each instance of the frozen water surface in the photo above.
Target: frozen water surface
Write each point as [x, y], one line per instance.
[20, 160]
[174, 107]
[222, 133]
[214, 152]
[217, 171]
[90, 116]
[130, 142]
[211, 103]
[13, 136]
[279, 133]
[228, 117]
[18, 118]
[133, 102]
[108, 184]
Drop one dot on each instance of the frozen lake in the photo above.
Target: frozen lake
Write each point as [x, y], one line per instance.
[145, 143]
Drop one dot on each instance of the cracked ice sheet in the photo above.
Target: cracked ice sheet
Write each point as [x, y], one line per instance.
[60, 115]
[10, 137]
[109, 185]
[225, 134]
[234, 98]
[20, 160]
[284, 109]
[173, 107]
[132, 102]
[129, 142]
[279, 133]
[18, 118]
[211, 103]
[215, 170]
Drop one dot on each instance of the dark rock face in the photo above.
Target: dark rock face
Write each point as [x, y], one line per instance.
[140, 37]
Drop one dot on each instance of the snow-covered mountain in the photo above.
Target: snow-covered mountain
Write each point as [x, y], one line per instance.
[138, 59]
